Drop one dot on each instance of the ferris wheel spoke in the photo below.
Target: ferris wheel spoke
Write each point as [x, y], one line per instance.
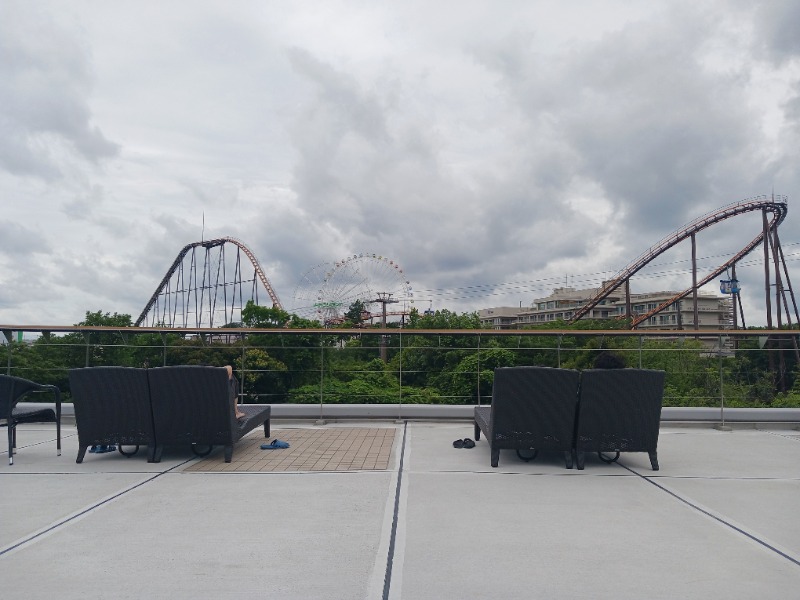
[329, 290]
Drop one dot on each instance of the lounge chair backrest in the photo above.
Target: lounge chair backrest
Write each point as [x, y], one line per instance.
[533, 404]
[11, 389]
[620, 409]
[112, 405]
[191, 404]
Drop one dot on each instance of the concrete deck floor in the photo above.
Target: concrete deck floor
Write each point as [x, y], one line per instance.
[721, 519]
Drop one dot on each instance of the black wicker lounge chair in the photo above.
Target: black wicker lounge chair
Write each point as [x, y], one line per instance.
[12, 391]
[112, 406]
[192, 406]
[533, 408]
[619, 411]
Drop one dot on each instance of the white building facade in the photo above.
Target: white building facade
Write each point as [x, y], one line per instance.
[714, 312]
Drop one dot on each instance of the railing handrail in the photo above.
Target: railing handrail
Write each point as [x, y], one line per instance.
[400, 331]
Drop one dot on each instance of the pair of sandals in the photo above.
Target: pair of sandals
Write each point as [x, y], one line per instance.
[465, 443]
[102, 449]
[275, 444]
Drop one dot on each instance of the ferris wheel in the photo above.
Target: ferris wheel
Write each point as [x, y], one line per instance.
[306, 297]
[327, 291]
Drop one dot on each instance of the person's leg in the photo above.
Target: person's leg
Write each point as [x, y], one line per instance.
[239, 414]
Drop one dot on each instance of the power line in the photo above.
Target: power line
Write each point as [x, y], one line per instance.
[585, 279]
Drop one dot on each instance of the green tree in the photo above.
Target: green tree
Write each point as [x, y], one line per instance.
[265, 377]
[474, 375]
[100, 348]
[354, 317]
[443, 319]
[257, 316]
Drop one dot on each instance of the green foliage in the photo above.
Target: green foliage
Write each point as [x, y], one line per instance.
[435, 364]
[101, 319]
[473, 375]
[354, 316]
[443, 319]
[257, 316]
[355, 391]
[39, 362]
[265, 379]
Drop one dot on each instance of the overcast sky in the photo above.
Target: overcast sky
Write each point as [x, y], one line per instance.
[495, 150]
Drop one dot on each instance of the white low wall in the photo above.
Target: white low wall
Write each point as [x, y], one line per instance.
[447, 411]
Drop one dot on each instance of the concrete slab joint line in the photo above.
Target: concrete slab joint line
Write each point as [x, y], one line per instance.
[726, 523]
[18, 544]
[387, 581]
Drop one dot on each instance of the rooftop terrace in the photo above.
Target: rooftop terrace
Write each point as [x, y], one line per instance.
[398, 512]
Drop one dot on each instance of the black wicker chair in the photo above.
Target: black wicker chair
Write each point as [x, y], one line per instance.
[192, 406]
[12, 391]
[619, 411]
[112, 406]
[533, 408]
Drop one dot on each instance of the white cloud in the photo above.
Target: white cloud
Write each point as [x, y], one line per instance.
[494, 151]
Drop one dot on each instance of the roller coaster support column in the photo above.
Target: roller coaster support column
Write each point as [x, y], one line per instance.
[780, 298]
[767, 294]
[788, 284]
[696, 312]
[628, 313]
[766, 268]
[778, 282]
[735, 300]
[778, 313]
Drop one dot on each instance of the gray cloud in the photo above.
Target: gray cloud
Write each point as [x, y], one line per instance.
[494, 154]
[777, 23]
[18, 239]
[45, 81]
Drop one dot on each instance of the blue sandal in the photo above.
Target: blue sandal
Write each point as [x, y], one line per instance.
[102, 449]
[275, 444]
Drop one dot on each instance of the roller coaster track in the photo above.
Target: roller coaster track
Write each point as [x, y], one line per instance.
[776, 205]
[164, 304]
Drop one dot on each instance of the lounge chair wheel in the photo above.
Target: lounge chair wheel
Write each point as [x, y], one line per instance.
[202, 454]
[608, 460]
[128, 454]
[527, 455]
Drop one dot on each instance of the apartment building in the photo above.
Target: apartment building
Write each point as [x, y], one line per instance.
[501, 317]
[714, 312]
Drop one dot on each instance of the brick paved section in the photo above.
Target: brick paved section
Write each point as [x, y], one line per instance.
[324, 449]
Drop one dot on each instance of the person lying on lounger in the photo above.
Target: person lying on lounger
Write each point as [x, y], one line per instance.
[233, 386]
[609, 360]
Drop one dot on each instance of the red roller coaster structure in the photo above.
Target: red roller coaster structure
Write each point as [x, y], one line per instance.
[773, 209]
[215, 297]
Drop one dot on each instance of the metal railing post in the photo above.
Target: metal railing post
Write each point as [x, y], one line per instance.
[86, 336]
[400, 375]
[243, 370]
[321, 421]
[558, 345]
[641, 350]
[478, 368]
[8, 334]
[164, 341]
[722, 425]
